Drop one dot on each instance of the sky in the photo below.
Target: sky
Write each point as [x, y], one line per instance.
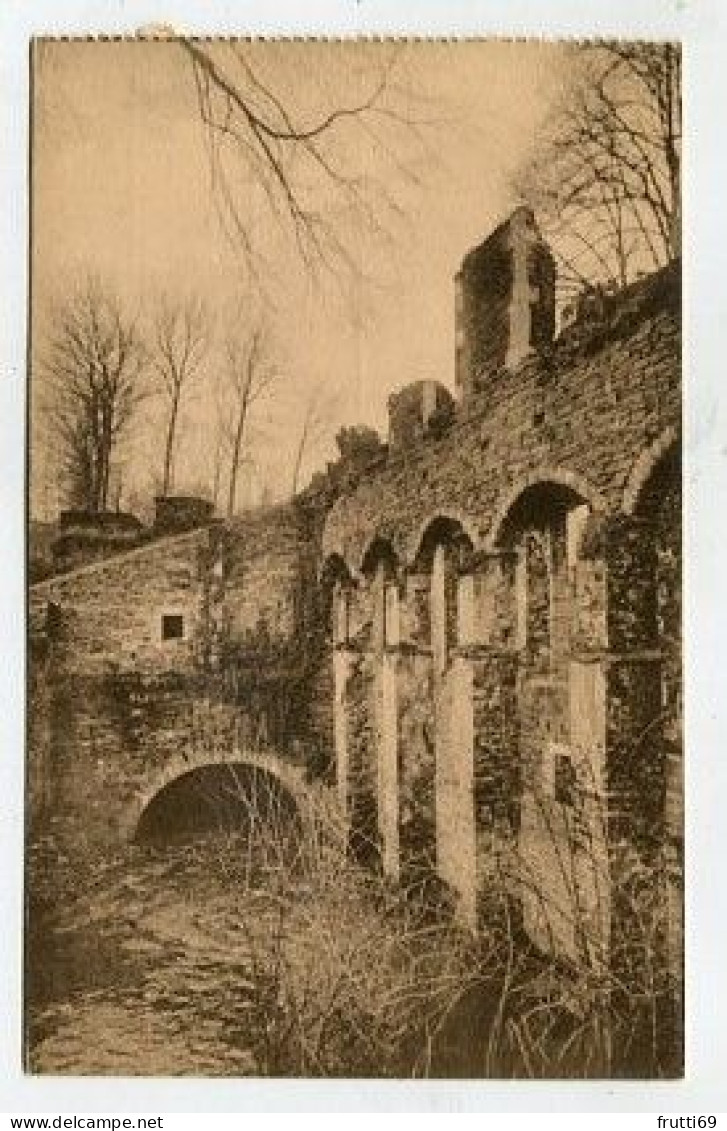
[123, 191]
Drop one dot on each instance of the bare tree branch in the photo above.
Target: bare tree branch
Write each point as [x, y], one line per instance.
[96, 363]
[181, 340]
[606, 178]
[317, 418]
[250, 372]
[305, 161]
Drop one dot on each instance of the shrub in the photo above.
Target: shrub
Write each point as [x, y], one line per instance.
[354, 977]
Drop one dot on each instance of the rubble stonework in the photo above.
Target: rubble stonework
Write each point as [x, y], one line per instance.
[544, 521]
[478, 639]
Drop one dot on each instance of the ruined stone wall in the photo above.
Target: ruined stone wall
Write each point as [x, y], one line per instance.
[263, 568]
[572, 646]
[483, 302]
[39, 734]
[110, 735]
[587, 410]
[109, 742]
[109, 615]
[529, 696]
[363, 809]
[417, 804]
[113, 697]
[321, 717]
[111, 701]
[505, 301]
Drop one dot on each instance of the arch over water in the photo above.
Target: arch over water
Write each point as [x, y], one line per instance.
[222, 796]
[221, 788]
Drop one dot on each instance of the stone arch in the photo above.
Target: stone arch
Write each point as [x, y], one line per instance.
[336, 584]
[543, 477]
[540, 525]
[379, 549]
[382, 576]
[644, 467]
[452, 524]
[333, 568]
[653, 503]
[289, 779]
[441, 555]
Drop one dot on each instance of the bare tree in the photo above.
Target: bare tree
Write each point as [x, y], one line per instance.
[606, 178]
[251, 373]
[265, 127]
[218, 439]
[317, 417]
[218, 452]
[181, 340]
[95, 363]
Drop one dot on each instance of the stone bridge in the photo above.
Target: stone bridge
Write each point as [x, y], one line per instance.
[110, 758]
[264, 784]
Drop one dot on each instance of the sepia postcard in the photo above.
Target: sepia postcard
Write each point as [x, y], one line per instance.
[354, 559]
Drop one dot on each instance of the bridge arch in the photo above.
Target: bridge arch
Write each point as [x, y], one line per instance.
[260, 784]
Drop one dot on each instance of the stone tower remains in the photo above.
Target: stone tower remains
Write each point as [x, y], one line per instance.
[504, 302]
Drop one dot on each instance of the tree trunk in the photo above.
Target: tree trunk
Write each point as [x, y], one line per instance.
[298, 461]
[171, 428]
[105, 468]
[673, 159]
[216, 476]
[235, 464]
[107, 444]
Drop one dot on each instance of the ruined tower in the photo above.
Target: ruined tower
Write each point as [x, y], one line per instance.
[505, 302]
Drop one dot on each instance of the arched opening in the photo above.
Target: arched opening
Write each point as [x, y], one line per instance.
[660, 504]
[438, 816]
[653, 786]
[443, 555]
[223, 797]
[371, 703]
[335, 589]
[543, 527]
[380, 568]
[541, 534]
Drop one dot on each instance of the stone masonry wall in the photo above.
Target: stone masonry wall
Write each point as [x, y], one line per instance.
[109, 614]
[110, 734]
[544, 599]
[112, 702]
[416, 762]
[588, 410]
[574, 631]
[263, 576]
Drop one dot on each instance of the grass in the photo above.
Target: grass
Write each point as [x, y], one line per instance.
[355, 976]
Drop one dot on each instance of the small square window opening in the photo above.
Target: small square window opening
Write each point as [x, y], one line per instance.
[172, 626]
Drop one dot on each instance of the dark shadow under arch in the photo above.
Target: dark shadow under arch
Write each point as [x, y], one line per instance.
[536, 505]
[446, 530]
[380, 550]
[224, 796]
[665, 477]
